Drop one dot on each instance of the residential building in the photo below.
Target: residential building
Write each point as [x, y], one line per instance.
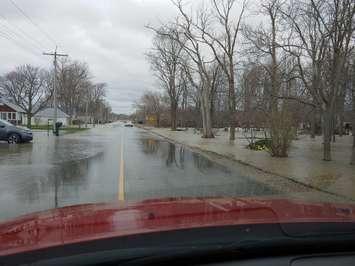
[12, 112]
[46, 116]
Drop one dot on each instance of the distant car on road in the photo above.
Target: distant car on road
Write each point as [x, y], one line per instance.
[13, 134]
[128, 124]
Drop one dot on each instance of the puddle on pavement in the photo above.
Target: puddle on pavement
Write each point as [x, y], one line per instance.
[177, 155]
[176, 171]
[85, 168]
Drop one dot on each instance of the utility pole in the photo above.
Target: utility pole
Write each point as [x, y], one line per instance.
[55, 55]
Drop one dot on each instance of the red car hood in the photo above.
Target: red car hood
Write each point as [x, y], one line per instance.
[100, 221]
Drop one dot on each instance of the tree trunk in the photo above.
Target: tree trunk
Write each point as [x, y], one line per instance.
[86, 113]
[334, 128]
[353, 152]
[232, 126]
[173, 116]
[327, 135]
[353, 129]
[341, 125]
[353, 122]
[213, 118]
[232, 104]
[313, 124]
[341, 107]
[206, 116]
[29, 111]
[29, 118]
[158, 120]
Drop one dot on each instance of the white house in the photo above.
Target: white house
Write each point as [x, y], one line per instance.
[12, 112]
[46, 116]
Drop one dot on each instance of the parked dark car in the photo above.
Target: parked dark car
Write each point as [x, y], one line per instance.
[13, 134]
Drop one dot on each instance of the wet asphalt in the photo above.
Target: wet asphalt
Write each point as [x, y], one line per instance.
[107, 165]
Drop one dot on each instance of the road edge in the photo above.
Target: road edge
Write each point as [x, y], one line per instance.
[289, 178]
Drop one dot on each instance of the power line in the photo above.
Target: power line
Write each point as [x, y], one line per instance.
[19, 32]
[10, 38]
[33, 22]
[16, 35]
[15, 38]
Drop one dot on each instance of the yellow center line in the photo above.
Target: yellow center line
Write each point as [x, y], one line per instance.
[121, 178]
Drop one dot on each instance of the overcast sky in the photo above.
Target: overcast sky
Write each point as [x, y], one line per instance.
[107, 34]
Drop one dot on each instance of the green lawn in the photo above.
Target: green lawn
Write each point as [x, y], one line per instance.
[40, 127]
[69, 130]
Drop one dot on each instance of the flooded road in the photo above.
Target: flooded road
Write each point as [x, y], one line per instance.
[106, 165]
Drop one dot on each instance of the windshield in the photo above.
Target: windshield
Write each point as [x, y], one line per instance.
[132, 101]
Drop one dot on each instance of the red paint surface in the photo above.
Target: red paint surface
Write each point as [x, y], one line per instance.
[99, 221]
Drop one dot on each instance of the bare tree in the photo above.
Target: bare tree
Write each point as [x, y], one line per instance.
[203, 77]
[267, 44]
[103, 112]
[203, 71]
[222, 40]
[195, 35]
[324, 29]
[166, 60]
[150, 104]
[73, 78]
[202, 68]
[254, 99]
[28, 87]
[94, 96]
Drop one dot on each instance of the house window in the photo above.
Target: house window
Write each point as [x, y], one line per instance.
[3, 116]
[13, 116]
[9, 116]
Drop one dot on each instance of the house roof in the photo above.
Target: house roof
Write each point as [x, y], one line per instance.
[11, 105]
[49, 113]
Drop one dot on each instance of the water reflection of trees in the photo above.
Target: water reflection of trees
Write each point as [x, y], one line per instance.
[174, 157]
[75, 176]
[53, 181]
[150, 146]
[182, 156]
[171, 155]
[177, 156]
[201, 162]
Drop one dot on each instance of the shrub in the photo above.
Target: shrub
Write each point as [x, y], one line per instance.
[282, 132]
[261, 145]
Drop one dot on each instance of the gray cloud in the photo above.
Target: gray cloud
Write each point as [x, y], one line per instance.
[107, 34]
